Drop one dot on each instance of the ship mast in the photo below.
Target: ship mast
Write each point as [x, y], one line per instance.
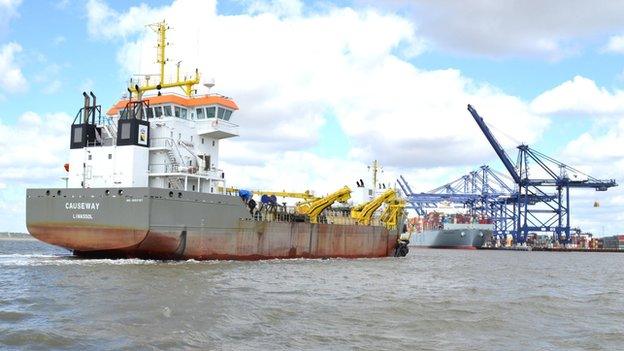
[375, 167]
[187, 84]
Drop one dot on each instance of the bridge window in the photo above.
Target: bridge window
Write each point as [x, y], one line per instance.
[227, 114]
[177, 111]
[210, 112]
[167, 110]
[183, 112]
[200, 113]
[158, 111]
[220, 113]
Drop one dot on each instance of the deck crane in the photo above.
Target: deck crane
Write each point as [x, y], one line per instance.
[363, 213]
[313, 208]
[535, 208]
[392, 213]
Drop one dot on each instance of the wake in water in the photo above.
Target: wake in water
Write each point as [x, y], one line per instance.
[70, 260]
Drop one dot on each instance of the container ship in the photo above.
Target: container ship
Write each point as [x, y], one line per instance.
[450, 231]
[143, 181]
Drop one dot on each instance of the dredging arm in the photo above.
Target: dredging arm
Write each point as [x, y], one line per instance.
[394, 209]
[313, 208]
[363, 213]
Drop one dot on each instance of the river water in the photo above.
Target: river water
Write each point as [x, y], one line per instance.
[430, 300]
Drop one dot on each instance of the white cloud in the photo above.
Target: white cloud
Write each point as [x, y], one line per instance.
[35, 141]
[281, 8]
[599, 148]
[59, 39]
[52, 87]
[62, 4]
[597, 152]
[548, 29]
[49, 77]
[11, 77]
[34, 150]
[105, 22]
[615, 44]
[8, 11]
[579, 96]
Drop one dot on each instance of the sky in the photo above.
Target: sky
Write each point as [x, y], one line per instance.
[324, 88]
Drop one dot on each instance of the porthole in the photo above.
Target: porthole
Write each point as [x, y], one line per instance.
[120, 192]
[171, 194]
[58, 192]
[107, 192]
[179, 195]
[47, 192]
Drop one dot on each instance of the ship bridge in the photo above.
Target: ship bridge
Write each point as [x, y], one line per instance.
[212, 114]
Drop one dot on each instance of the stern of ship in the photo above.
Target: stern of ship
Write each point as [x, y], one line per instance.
[89, 220]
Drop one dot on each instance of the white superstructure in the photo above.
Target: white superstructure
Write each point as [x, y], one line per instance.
[163, 141]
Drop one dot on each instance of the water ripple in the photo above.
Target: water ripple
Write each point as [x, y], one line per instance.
[431, 300]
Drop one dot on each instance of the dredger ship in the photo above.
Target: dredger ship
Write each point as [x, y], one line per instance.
[144, 181]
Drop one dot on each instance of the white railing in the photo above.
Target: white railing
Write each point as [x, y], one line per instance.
[217, 125]
[167, 168]
[168, 144]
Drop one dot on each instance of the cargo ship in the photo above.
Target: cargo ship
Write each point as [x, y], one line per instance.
[450, 231]
[143, 181]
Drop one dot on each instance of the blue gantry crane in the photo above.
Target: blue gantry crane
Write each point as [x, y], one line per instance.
[533, 206]
[483, 192]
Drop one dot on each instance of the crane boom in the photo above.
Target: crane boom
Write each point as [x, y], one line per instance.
[313, 208]
[363, 213]
[307, 195]
[495, 145]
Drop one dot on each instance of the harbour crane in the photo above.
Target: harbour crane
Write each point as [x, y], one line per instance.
[482, 191]
[535, 208]
[313, 208]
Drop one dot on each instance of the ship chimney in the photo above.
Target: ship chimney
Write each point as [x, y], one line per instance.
[85, 110]
[94, 106]
[139, 112]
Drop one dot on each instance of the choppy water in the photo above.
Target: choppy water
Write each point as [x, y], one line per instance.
[430, 300]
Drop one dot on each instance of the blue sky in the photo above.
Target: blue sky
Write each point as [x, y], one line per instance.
[515, 63]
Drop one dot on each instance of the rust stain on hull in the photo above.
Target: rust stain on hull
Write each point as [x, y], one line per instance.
[250, 241]
[87, 238]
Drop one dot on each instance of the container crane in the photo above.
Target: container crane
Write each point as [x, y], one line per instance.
[482, 191]
[535, 207]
